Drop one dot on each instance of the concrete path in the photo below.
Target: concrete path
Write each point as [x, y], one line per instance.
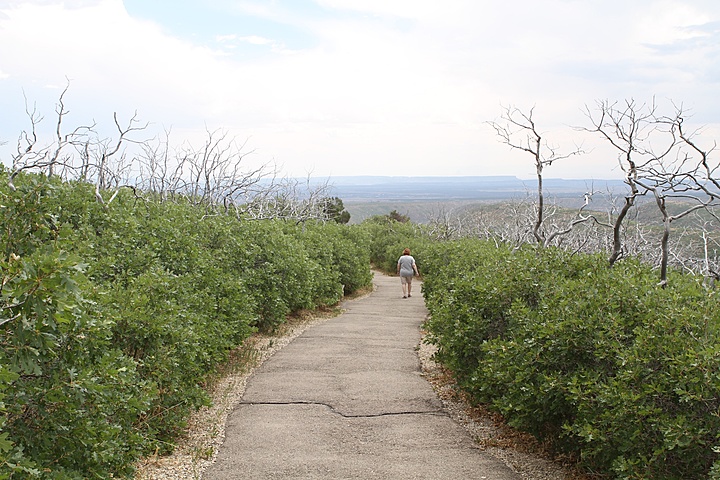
[346, 400]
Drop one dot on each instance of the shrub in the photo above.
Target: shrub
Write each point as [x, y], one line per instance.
[598, 362]
[71, 388]
[114, 318]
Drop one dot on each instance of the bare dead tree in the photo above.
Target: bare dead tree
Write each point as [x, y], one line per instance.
[706, 176]
[522, 214]
[479, 224]
[627, 127]
[63, 140]
[705, 179]
[507, 223]
[27, 155]
[711, 261]
[445, 224]
[518, 130]
[693, 250]
[104, 161]
[287, 198]
[154, 166]
[684, 180]
[97, 157]
[33, 155]
[559, 231]
[662, 193]
[216, 173]
[659, 158]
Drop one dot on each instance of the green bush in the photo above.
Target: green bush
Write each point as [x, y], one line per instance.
[115, 317]
[470, 288]
[388, 238]
[658, 415]
[600, 363]
[343, 251]
[72, 387]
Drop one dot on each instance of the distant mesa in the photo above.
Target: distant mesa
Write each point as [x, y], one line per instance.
[369, 188]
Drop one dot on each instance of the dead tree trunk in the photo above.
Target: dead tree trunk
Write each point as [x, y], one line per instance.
[518, 131]
[626, 127]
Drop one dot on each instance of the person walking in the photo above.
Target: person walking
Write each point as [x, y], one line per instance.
[407, 269]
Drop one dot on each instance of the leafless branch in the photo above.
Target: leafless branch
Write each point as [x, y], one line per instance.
[518, 130]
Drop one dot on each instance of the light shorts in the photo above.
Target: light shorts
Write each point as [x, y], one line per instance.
[405, 280]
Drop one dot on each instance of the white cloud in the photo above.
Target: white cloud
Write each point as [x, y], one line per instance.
[225, 38]
[108, 56]
[255, 40]
[388, 86]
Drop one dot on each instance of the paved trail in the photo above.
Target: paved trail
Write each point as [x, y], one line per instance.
[346, 400]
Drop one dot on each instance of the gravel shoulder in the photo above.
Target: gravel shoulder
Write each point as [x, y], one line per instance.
[206, 428]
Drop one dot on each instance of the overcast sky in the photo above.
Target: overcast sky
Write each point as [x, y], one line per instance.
[361, 87]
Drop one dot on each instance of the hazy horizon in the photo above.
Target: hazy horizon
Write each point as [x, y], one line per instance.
[359, 87]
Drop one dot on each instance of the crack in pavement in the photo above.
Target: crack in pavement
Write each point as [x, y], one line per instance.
[438, 412]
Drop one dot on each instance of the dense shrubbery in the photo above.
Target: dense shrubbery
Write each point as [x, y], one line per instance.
[388, 238]
[599, 362]
[113, 319]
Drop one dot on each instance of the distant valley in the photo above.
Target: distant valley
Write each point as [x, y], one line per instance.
[421, 198]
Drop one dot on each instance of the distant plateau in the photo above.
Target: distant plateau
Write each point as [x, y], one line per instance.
[379, 188]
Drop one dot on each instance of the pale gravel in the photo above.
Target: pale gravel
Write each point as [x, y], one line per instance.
[206, 428]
